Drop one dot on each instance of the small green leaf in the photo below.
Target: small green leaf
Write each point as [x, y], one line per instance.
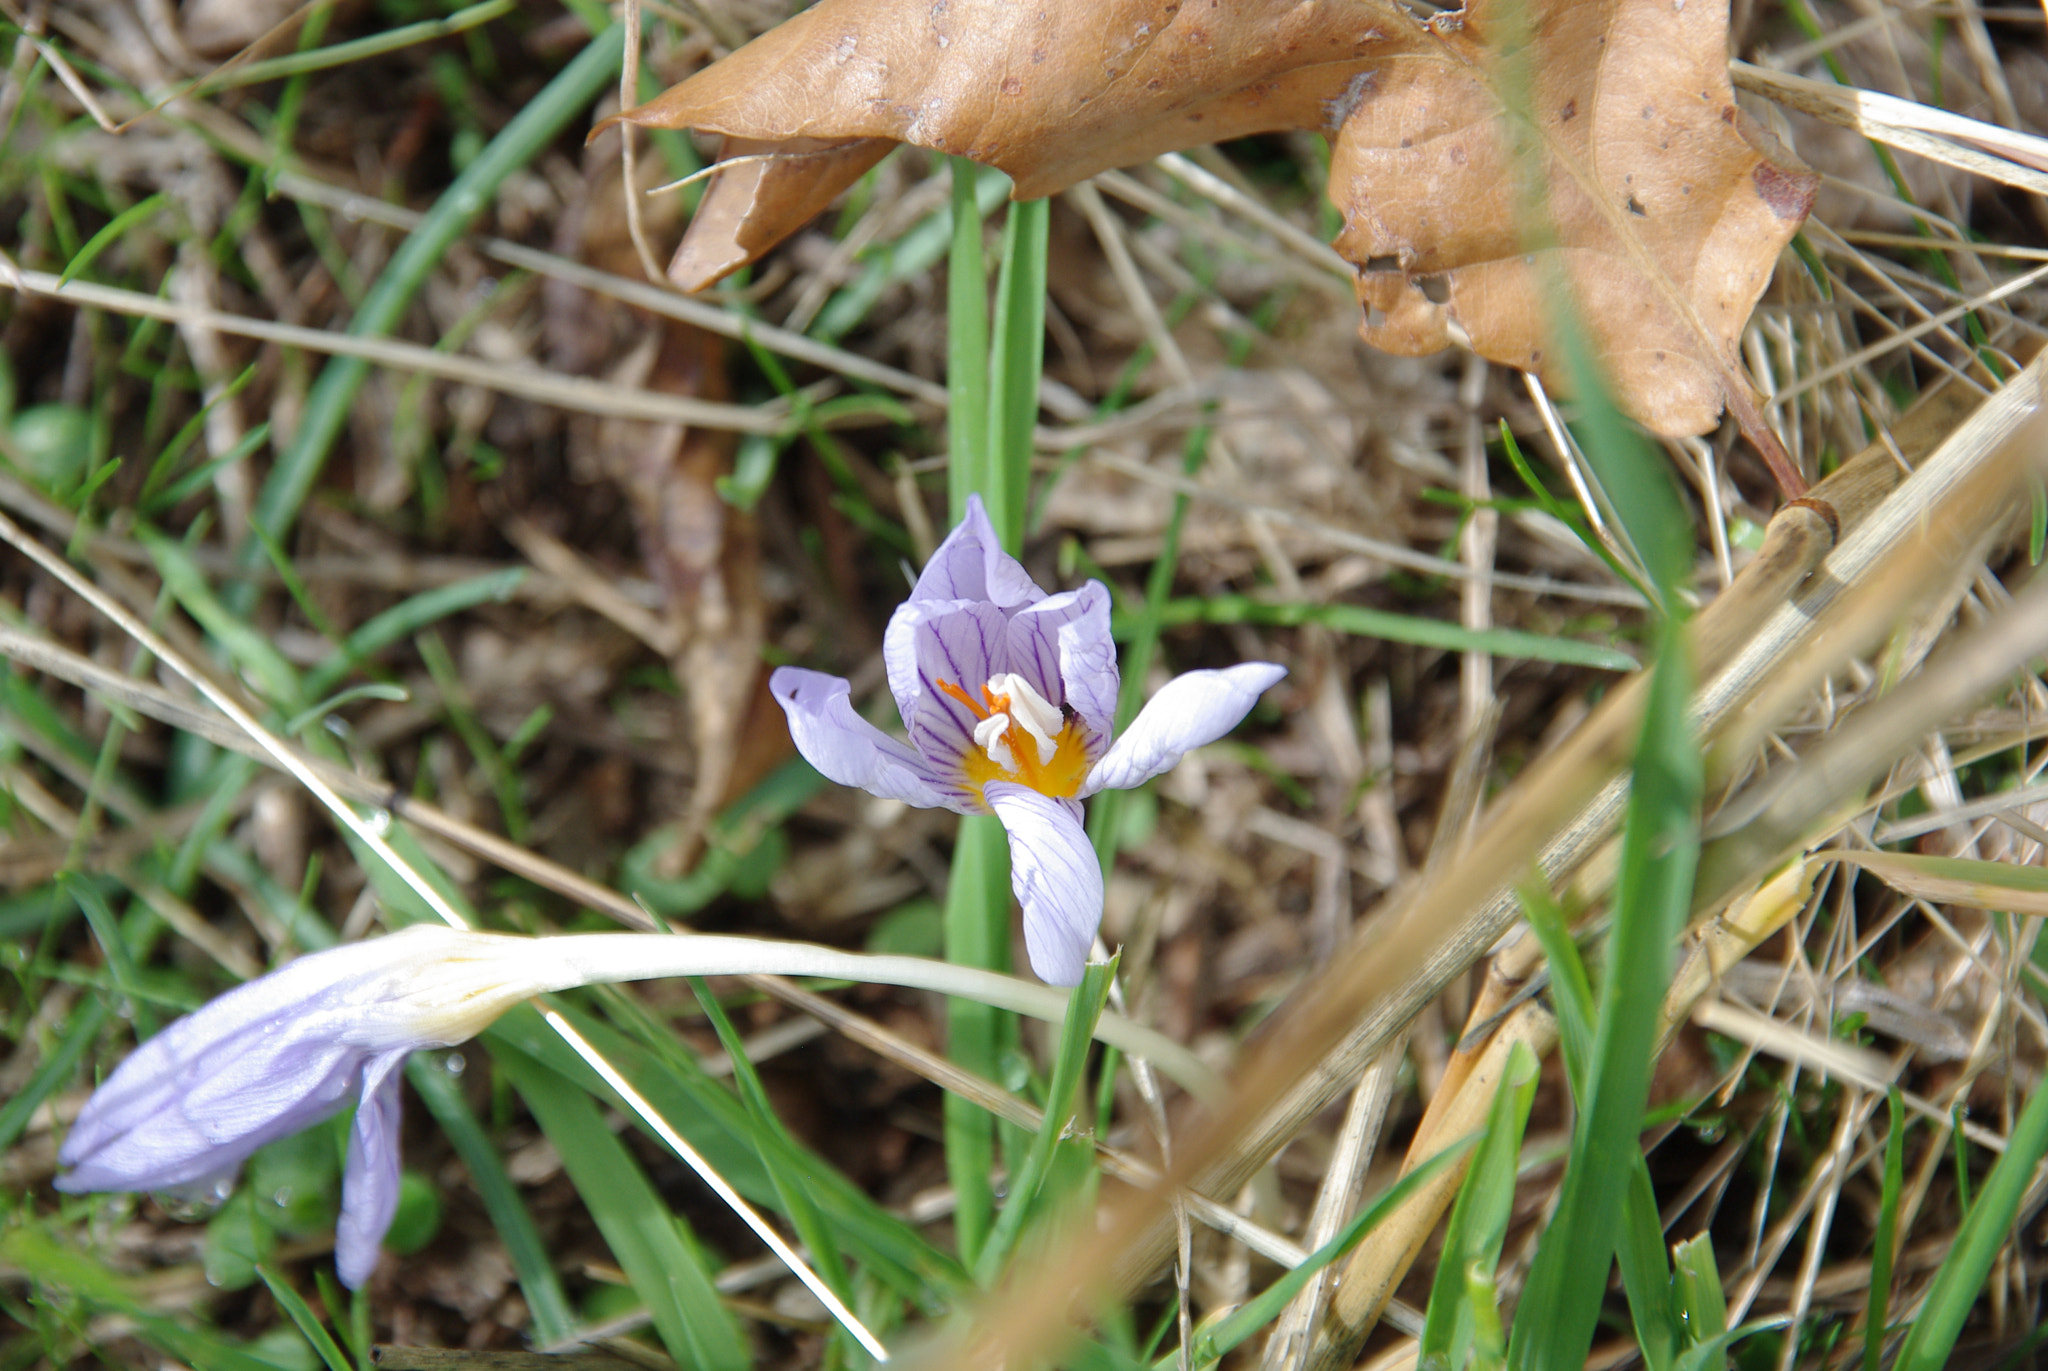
[307, 1322]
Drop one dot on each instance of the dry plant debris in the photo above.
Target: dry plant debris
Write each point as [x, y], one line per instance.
[583, 724]
[1484, 161]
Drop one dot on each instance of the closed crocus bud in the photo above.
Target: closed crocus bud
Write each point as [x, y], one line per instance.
[294, 1047]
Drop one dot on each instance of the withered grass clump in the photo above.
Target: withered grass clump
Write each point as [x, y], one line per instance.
[359, 385]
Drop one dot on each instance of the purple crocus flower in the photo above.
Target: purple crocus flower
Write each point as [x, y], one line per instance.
[1009, 695]
[289, 1049]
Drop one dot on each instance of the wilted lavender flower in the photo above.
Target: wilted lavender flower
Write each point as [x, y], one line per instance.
[289, 1049]
[1010, 698]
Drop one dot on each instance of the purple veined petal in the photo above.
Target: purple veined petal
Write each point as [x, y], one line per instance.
[1062, 646]
[195, 1100]
[370, 1179]
[847, 748]
[959, 641]
[1189, 711]
[1057, 878]
[971, 565]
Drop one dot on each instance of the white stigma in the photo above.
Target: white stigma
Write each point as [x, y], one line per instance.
[1037, 716]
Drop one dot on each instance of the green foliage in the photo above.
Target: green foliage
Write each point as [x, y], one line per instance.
[666, 1269]
[1462, 1321]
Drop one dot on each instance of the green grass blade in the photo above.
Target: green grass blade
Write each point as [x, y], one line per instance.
[1963, 1272]
[667, 1272]
[1479, 1218]
[563, 99]
[309, 1325]
[553, 1319]
[1140, 634]
[1713, 1352]
[1016, 360]
[32, 1250]
[108, 236]
[910, 257]
[1365, 622]
[357, 50]
[1084, 1007]
[715, 1123]
[86, 1022]
[967, 399]
[810, 1225]
[1218, 1340]
[455, 703]
[994, 464]
[1696, 1283]
[1660, 845]
[202, 475]
[253, 653]
[977, 926]
[107, 932]
[1884, 1246]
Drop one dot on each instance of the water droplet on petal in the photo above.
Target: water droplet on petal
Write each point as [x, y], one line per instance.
[453, 1064]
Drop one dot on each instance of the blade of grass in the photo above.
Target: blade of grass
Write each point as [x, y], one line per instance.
[1884, 1246]
[174, 451]
[86, 1022]
[1660, 844]
[1963, 1272]
[455, 702]
[202, 475]
[1378, 623]
[1213, 1343]
[1479, 1219]
[1016, 359]
[667, 1273]
[966, 346]
[326, 410]
[33, 1250]
[715, 1123]
[106, 237]
[341, 54]
[1084, 1007]
[789, 1185]
[977, 928]
[245, 645]
[910, 257]
[1700, 1298]
[1141, 641]
[302, 1315]
[553, 1319]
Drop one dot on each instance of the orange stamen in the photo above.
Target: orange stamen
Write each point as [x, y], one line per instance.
[1061, 776]
[964, 698]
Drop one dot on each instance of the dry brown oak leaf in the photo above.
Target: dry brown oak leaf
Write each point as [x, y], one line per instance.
[1627, 170]
[1654, 195]
[1050, 93]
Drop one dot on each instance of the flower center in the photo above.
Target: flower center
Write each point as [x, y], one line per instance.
[1021, 736]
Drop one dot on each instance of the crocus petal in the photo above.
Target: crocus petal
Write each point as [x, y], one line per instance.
[961, 642]
[1189, 711]
[1062, 646]
[1057, 877]
[847, 748]
[370, 1180]
[257, 1064]
[168, 1128]
[971, 565]
[287, 1050]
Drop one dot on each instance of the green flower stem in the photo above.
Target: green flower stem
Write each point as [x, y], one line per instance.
[994, 403]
